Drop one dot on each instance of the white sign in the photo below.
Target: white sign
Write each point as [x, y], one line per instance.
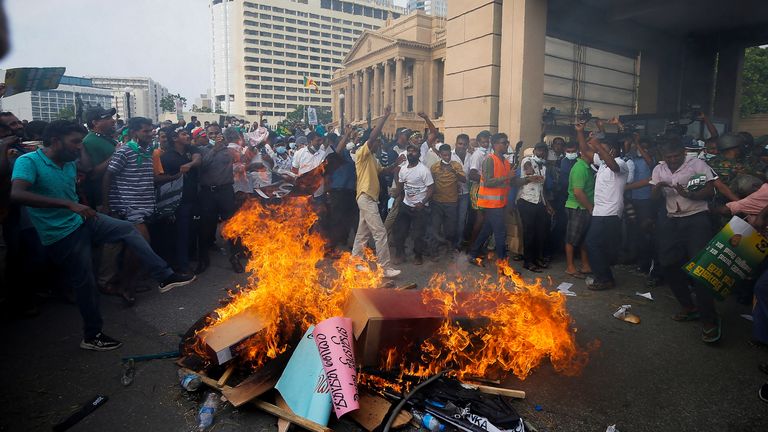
[312, 115]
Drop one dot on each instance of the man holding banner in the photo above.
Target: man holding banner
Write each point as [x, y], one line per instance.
[687, 183]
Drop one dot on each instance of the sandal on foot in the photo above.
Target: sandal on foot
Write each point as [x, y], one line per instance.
[533, 268]
[687, 316]
[577, 274]
[712, 334]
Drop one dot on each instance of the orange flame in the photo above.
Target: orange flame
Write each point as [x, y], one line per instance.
[511, 325]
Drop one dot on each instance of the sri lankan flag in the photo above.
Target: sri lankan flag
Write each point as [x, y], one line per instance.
[309, 82]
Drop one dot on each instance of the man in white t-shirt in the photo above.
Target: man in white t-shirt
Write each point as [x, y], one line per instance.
[605, 226]
[415, 184]
[310, 157]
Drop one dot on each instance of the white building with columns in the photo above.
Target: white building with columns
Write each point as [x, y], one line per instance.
[402, 65]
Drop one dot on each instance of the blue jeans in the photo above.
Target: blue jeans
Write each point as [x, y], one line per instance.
[492, 224]
[461, 221]
[602, 245]
[73, 255]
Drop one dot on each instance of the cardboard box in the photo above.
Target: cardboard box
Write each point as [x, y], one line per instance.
[383, 319]
[221, 337]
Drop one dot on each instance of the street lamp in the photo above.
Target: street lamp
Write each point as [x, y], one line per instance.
[341, 99]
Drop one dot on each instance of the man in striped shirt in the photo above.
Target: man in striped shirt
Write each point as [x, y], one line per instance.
[129, 190]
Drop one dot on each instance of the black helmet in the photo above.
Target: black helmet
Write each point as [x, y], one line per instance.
[729, 141]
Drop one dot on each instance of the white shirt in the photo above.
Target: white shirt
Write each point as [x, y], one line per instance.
[415, 181]
[463, 187]
[609, 189]
[477, 159]
[306, 161]
[532, 192]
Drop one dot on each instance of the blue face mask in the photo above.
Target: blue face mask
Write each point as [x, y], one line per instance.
[281, 150]
[292, 145]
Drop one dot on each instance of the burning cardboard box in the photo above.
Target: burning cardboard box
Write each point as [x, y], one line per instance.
[384, 319]
[223, 336]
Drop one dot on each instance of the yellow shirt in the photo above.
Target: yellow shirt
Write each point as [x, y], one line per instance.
[367, 169]
[447, 182]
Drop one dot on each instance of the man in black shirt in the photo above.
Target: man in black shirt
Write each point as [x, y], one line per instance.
[182, 157]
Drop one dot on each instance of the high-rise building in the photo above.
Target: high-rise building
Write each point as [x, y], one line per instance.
[263, 51]
[430, 7]
[135, 96]
[72, 94]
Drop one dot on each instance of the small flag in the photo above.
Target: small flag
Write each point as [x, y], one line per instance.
[309, 82]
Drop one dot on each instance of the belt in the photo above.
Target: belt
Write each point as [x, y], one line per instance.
[214, 188]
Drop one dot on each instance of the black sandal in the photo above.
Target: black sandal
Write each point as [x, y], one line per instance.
[532, 268]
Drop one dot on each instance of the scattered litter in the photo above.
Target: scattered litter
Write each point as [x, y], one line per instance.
[538, 408]
[612, 428]
[129, 372]
[623, 314]
[644, 295]
[589, 280]
[747, 317]
[565, 289]
[181, 308]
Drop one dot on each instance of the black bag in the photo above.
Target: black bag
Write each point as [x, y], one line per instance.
[449, 400]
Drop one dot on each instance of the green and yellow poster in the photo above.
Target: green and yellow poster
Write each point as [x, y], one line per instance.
[20, 80]
[732, 255]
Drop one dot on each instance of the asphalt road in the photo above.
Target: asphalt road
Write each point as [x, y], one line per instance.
[655, 376]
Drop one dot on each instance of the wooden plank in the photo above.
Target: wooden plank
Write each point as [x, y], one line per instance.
[373, 411]
[225, 376]
[293, 418]
[267, 407]
[282, 424]
[518, 394]
[406, 287]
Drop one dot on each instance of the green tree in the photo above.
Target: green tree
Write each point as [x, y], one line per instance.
[754, 87]
[66, 113]
[168, 102]
[324, 117]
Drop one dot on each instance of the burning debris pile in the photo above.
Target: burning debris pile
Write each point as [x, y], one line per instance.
[390, 340]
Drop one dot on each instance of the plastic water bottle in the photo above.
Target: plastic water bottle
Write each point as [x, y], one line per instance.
[427, 421]
[207, 411]
[190, 382]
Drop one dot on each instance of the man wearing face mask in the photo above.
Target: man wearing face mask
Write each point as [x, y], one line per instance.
[448, 175]
[283, 161]
[475, 217]
[534, 208]
[605, 226]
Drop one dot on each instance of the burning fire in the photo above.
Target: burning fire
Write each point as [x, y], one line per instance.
[516, 324]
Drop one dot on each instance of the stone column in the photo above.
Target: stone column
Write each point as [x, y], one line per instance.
[418, 78]
[366, 92]
[387, 83]
[521, 95]
[349, 100]
[360, 115]
[730, 68]
[398, 108]
[433, 89]
[376, 110]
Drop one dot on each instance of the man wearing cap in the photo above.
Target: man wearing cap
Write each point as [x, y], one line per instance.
[98, 147]
[731, 162]
[200, 138]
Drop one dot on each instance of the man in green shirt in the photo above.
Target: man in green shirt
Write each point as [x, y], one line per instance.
[581, 197]
[99, 146]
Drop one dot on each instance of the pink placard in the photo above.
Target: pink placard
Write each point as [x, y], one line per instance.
[333, 338]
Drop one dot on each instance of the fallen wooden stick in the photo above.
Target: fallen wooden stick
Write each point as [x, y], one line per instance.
[225, 376]
[266, 406]
[406, 287]
[519, 394]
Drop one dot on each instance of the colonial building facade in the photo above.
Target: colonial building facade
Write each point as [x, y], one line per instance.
[402, 65]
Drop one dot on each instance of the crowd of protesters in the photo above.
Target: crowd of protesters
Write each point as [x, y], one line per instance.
[102, 204]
